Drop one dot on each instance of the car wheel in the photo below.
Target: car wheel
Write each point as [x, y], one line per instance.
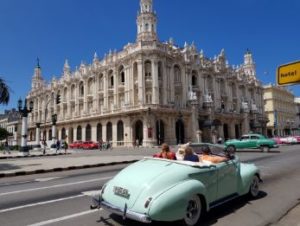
[193, 211]
[254, 187]
[264, 148]
[231, 149]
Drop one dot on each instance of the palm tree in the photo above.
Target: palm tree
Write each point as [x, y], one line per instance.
[4, 92]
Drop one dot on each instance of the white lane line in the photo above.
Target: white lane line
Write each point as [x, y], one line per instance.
[40, 203]
[46, 179]
[54, 186]
[64, 218]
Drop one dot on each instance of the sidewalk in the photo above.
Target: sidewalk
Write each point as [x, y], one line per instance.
[14, 165]
[292, 218]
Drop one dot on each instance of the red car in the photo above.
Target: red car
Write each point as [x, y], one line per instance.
[90, 145]
[76, 145]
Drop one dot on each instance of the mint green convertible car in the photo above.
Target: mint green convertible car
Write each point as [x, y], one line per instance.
[251, 141]
[154, 189]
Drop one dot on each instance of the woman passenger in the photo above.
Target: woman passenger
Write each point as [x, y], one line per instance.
[165, 153]
[189, 155]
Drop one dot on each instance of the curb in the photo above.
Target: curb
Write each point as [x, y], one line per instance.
[32, 156]
[60, 169]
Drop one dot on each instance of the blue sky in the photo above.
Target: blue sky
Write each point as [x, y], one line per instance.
[55, 30]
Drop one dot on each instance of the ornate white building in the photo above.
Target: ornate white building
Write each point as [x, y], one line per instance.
[151, 91]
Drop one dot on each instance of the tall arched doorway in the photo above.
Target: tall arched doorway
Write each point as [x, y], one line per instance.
[63, 134]
[79, 133]
[180, 131]
[99, 131]
[160, 132]
[88, 132]
[71, 135]
[226, 132]
[109, 131]
[138, 129]
[120, 133]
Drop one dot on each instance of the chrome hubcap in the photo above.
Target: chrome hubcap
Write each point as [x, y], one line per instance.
[193, 211]
[254, 187]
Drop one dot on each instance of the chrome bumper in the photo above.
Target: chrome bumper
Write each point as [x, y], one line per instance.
[125, 212]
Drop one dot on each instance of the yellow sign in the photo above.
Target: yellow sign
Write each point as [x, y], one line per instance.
[288, 74]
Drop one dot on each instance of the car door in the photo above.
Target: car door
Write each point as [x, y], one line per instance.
[244, 142]
[253, 141]
[227, 179]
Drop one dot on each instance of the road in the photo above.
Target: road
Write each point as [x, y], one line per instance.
[57, 198]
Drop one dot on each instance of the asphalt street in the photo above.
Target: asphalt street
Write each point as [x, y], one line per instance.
[58, 199]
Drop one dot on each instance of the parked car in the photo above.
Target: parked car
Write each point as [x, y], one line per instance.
[298, 139]
[90, 145]
[155, 189]
[277, 140]
[289, 140]
[251, 141]
[76, 145]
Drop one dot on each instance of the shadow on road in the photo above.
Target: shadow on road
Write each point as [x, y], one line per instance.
[6, 166]
[208, 219]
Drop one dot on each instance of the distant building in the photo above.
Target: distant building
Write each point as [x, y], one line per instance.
[297, 101]
[152, 92]
[281, 111]
[11, 121]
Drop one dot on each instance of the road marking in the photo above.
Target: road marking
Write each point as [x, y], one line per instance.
[16, 183]
[54, 186]
[64, 218]
[46, 179]
[40, 203]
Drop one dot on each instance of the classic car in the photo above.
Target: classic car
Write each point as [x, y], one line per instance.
[289, 140]
[155, 189]
[251, 141]
[90, 145]
[76, 145]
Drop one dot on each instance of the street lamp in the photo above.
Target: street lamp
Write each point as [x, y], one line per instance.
[23, 110]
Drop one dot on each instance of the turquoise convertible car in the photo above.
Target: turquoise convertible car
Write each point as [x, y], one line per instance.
[154, 189]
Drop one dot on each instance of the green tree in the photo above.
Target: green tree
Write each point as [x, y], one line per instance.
[4, 134]
[4, 92]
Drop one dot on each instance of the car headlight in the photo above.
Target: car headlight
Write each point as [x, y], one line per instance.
[148, 202]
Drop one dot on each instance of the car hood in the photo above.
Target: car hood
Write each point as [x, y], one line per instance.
[144, 179]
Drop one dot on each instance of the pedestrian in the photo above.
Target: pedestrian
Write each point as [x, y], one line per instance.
[44, 146]
[57, 145]
[100, 144]
[220, 140]
[65, 146]
[6, 148]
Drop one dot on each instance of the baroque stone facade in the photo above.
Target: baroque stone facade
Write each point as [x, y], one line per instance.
[150, 92]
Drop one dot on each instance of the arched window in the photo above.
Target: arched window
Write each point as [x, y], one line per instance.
[121, 75]
[73, 92]
[148, 69]
[79, 133]
[99, 132]
[88, 132]
[81, 89]
[194, 78]
[177, 74]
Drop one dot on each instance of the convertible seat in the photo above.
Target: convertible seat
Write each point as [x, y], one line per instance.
[212, 158]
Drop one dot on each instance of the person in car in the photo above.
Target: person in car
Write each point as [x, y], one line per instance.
[189, 155]
[207, 156]
[165, 153]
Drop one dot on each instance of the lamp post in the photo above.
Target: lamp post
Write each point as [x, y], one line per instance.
[24, 113]
[54, 120]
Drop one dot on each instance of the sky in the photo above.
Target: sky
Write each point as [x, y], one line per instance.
[55, 30]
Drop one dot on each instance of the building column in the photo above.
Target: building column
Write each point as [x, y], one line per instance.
[116, 85]
[114, 133]
[38, 134]
[105, 84]
[155, 88]
[141, 83]
[164, 90]
[94, 132]
[85, 100]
